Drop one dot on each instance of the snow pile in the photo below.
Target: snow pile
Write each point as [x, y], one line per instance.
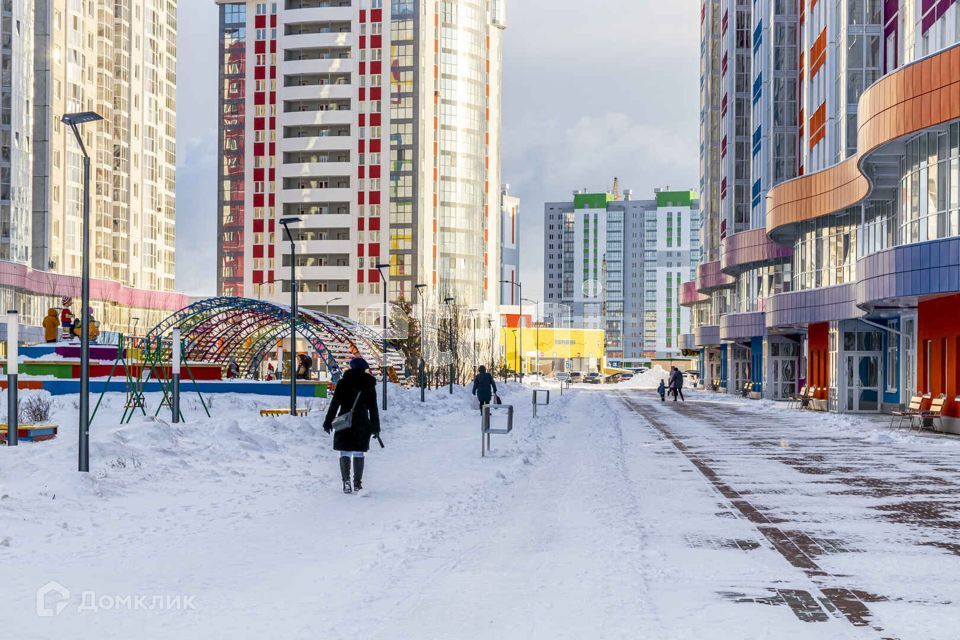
[650, 378]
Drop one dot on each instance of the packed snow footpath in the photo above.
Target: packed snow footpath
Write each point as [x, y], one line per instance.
[585, 522]
[244, 518]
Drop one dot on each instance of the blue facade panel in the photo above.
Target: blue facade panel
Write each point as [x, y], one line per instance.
[723, 366]
[756, 363]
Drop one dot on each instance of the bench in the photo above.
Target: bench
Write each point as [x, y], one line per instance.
[912, 410]
[795, 398]
[928, 416]
[301, 411]
[807, 402]
[803, 402]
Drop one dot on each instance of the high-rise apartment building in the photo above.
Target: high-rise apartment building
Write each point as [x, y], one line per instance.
[377, 123]
[855, 162]
[616, 264]
[16, 96]
[118, 59]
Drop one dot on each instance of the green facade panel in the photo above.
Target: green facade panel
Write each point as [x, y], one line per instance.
[591, 200]
[676, 198]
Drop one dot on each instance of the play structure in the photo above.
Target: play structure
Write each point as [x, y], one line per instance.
[142, 360]
[246, 332]
[225, 346]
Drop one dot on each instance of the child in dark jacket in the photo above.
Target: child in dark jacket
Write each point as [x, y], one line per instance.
[662, 390]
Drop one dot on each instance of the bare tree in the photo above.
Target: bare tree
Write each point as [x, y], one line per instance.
[405, 330]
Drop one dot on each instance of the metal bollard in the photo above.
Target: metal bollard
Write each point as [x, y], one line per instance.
[13, 364]
[175, 375]
[536, 398]
[486, 429]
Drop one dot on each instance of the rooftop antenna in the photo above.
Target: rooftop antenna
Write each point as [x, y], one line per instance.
[616, 188]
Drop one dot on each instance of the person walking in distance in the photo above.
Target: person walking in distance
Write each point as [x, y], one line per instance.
[356, 394]
[676, 383]
[484, 386]
[662, 390]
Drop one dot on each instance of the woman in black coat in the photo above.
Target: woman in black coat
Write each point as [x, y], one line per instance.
[484, 386]
[356, 386]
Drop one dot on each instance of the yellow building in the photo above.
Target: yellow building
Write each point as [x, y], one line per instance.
[558, 349]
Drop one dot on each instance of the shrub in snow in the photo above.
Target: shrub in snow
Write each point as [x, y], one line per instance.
[34, 409]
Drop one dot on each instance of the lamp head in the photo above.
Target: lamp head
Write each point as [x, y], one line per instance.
[82, 117]
[419, 286]
[290, 220]
[448, 300]
[383, 265]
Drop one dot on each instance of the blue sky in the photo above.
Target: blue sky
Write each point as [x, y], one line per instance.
[589, 94]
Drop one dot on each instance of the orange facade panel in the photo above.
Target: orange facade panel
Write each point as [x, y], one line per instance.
[818, 125]
[818, 53]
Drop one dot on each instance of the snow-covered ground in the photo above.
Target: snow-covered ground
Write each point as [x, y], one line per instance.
[588, 521]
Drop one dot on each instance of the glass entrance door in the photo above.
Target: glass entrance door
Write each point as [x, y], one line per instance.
[784, 377]
[862, 377]
[740, 368]
[908, 347]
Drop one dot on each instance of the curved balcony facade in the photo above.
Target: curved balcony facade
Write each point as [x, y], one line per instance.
[707, 335]
[918, 96]
[900, 276]
[810, 306]
[742, 326]
[689, 296]
[743, 250]
[710, 277]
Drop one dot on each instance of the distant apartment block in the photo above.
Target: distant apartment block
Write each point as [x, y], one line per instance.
[617, 263]
[509, 247]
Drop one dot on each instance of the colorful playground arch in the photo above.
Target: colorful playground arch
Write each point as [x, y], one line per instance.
[225, 329]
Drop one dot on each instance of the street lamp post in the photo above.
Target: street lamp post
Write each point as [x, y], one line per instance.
[421, 373]
[447, 302]
[475, 313]
[383, 365]
[519, 323]
[326, 306]
[493, 341]
[74, 120]
[516, 349]
[13, 364]
[286, 222]
[536, 304]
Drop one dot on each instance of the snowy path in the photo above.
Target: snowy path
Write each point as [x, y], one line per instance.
[610, 516]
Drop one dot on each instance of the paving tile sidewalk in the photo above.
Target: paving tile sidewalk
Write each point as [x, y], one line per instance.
[871, 515]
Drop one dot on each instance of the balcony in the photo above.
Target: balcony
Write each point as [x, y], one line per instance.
[308, 170]
[710, 277]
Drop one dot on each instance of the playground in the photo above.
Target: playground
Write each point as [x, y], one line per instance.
[226, 345]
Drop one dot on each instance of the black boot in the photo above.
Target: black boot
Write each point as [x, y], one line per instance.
[345, 473]
[357, 474]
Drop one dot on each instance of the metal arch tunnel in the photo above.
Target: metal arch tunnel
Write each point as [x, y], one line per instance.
[220, 330]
